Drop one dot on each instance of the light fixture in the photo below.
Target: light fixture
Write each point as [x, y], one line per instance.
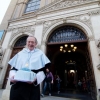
[74, 50]
[64, 51]
[70, 62]
[68, 48]
[61, 47]
[72, 71]
[66, 45]
[72, 45]
[75, 47]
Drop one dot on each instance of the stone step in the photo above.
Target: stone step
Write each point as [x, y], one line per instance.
[1, 90]
[56, 98]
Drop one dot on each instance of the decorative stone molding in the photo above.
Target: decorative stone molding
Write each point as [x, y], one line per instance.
[29, 29]
[64, 20]
[1, 57]
[21, 31]
[48, 24]
[10, 47]
[91, 38]
[61, 4]
[39, 22]
[54, 6]
[85, 18]
[98, 66]
[94, 12]
[98, 45]
[43, 43]
[80, 18]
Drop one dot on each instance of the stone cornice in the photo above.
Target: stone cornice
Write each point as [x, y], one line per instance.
[22, 29]
[65, 4]
[55, 6]
[84, 18]
[94, 12]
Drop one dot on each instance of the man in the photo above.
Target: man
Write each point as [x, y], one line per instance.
[47, 82]
[36, 61]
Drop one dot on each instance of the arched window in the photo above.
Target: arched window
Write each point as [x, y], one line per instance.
[67, 34]
[32, 5]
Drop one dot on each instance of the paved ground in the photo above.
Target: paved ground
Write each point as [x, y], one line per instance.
[56, 98]
[1, 90]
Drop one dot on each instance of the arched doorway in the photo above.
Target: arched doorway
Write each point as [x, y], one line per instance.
[19, 45]
[67, 48]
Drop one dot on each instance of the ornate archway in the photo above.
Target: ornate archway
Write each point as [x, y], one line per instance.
[18, 46]
[69, 35]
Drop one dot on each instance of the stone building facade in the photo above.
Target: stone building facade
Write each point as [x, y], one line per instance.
[43, 20]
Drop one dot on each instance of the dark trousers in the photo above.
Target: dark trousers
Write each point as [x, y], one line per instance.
[24, 91]
[47, 85]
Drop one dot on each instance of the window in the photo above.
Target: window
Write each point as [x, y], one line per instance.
[32, 5]
[1, 34]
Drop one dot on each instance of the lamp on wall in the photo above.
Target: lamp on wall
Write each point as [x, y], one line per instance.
[68, 48]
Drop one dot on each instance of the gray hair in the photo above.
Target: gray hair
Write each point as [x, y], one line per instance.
[33, 37]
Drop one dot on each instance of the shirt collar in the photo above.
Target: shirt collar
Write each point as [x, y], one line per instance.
[26, 49]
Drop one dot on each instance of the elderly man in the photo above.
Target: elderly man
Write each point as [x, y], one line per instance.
[36, 61]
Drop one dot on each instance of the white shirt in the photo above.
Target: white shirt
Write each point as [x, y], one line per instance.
[35, 59]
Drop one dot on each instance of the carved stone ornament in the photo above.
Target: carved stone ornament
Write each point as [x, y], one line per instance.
[98, 45]
[84, 18]
[29, 29]
[91, 38]
[94, 12]
[48, 24]
[60, 4]
[1, 57]
[98, 66]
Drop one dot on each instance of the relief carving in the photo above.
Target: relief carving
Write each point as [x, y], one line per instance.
[62, 4]
[85, 18]
[91, 38]
[29, 29]
[98, 49]
[98, 46]
[1, 57]
[48, 24]
[94, 12]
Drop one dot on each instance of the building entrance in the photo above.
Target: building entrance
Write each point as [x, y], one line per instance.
[67, 48]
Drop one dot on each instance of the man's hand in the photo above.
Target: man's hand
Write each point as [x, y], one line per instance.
[52, 82]
[12, 80]
[32, 82]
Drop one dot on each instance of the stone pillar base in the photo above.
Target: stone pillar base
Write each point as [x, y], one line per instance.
[5, 95]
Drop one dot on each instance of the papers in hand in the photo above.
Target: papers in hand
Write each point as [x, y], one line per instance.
[40, 77]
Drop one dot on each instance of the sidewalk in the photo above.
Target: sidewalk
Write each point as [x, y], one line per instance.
[56, 98]
[1, 90]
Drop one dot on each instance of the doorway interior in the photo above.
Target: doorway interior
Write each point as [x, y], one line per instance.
[71, 61]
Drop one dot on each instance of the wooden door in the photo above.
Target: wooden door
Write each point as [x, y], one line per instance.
[15, 51]
[19, 45]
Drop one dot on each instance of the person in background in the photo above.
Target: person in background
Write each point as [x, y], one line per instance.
[36, 61]
[47, 82]
[58, 80]
[80, 85]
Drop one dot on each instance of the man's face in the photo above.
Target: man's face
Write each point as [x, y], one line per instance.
[47, 70]
[31, 43]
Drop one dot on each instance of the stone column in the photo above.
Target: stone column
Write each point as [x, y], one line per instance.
[95, 62]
